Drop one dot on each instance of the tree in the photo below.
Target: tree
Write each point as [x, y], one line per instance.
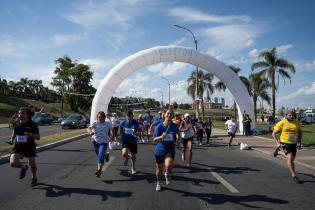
[204, 86]
[258, 88]
[175, 105]
[4, 87]
[270, 65]
[221, 86]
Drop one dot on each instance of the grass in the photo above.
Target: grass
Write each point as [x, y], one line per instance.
[46, 140]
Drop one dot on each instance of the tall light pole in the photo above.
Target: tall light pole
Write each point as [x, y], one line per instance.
[162, 97]
[169, 90]
[196, 89]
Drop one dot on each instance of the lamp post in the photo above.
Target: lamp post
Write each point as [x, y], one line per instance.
[169, 90]
[162, 97]
[196, 89]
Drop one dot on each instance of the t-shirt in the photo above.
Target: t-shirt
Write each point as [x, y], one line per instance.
[128, 129]
[231, 126]
[199, 125]
[115, 121]
[289, 130]
[208, 125]
[148, 119]
[157, 120]
[21, 128]
[188, 133]
[169, 140]
[101, 131]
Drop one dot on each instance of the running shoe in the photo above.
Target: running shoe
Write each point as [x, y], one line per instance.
[107, 157]
[9, 142]
[158, 187]
[23, 172]
[98, 173]
[275, 153]
[34, 182]
[133, 171]
[126, 161]
[297, 180]
[167, 178]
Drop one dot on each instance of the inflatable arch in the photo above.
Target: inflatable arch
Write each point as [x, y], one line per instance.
[167, 54]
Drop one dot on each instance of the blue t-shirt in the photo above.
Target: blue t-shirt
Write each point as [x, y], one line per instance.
[128, 129]
[163, 146]
[148, 119]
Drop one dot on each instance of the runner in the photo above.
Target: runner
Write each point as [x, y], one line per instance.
[247, 125]
[177, 119]
[208, 129]
[100, 132]
[290, 138]
[199, 126]
[129, 129]
[115, 124]
[231, 127]
[141, 126]
[157, 120]
[25, 132]
[148, 120]
[165, 134]
[187, 134]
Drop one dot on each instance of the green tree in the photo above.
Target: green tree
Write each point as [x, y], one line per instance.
[175, 105]
[204, 86]
[258, 88]
[270, 65]
[4, 87]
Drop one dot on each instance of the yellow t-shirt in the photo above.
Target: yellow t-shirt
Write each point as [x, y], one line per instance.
[289, 130]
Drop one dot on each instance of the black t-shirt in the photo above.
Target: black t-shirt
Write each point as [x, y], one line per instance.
[30, 126]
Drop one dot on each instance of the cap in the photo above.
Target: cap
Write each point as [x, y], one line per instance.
[186, 115]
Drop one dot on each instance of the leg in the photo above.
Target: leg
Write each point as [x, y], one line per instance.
[101, 156]
[133, 160]
[231, 139]
[15, 161]
[189, 152]
[290, 162]
[184, 141]
[32, 163]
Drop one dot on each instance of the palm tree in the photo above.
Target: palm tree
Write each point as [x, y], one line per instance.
[4, 88]
[258, 88]
[271, 65]
[221, 86]
[204, 86]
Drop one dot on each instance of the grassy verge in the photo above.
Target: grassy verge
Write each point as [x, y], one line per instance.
[46, 140]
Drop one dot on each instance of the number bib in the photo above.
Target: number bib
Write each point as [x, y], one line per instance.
[129, 131]
[292, 138]
[21, 139]
[168, 137]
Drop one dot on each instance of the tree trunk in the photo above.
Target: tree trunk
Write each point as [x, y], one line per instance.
[255, 106]
[273, 98]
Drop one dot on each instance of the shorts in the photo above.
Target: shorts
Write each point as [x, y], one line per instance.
[26, 150]
[132, 147]
[288, 148]
[231, 134]
[186, 140]
[159, 159]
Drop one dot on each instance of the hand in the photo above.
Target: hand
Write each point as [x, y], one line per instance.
[299, 146]
[163, 135]
[28, 135]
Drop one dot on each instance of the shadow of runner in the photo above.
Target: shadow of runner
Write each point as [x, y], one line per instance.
[218, 199]
[57, 191]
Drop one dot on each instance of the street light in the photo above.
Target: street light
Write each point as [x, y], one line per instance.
[162, 97]
[196, 46]
[169, 90]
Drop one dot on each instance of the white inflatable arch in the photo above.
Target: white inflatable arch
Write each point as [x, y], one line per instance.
[166, 54]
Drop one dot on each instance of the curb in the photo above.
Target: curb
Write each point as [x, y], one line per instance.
[6, 158]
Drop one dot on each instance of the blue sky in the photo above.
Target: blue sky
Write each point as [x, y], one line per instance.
[34, 33]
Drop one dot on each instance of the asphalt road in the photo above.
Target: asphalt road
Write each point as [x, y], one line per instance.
[220, 178]
[44, 130]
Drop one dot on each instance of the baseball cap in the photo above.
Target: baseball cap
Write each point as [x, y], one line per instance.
[186, 115]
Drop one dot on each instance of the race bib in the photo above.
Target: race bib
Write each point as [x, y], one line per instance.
[168, 137]
[21, 139]
[129, 131]
[292, 138]
[208, 127]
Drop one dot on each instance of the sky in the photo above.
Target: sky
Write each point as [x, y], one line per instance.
[101, 33]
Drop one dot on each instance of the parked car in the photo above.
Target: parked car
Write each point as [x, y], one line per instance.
[43, 118]
[308, 118]
[74, 121]
[61, 119]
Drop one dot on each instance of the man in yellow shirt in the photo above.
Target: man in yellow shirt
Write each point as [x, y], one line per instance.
[290, 131]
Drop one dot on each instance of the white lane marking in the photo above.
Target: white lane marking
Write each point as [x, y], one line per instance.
[111, 159]
[225, 183]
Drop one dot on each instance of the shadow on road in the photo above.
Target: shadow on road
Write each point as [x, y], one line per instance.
[219, 199]
[57, 191]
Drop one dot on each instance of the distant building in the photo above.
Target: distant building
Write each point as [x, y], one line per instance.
[216, 104]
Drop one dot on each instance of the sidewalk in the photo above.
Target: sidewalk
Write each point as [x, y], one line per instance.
[4, 125]
[305, 157]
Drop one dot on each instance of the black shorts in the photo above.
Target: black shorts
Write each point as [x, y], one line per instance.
[26, 150]
[132, 147]
[159, 159]
[288, 148]
[186, 140]
[231, 134]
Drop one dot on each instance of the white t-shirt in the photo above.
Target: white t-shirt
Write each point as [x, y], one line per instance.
[231, 126]
[101, 131]
[115, 121]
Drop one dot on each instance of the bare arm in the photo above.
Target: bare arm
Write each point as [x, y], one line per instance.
[275, 137]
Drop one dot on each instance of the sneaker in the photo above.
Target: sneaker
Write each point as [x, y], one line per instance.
[23, 172]
[183, 157]
[297, 180]
[34, 182]
[9, 142]
[200, 144]
[107, 157]
[98, 173]
[275, 153]
[167, 178]
[158, 187]
[133, 171]
[126, 161]
[143, 141]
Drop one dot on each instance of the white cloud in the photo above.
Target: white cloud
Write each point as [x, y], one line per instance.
[284, 48]
[11, 46]
[189, 14]
[310, 65]
[307, 90]
[97, 64]
[63, 39]
[167, 69]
